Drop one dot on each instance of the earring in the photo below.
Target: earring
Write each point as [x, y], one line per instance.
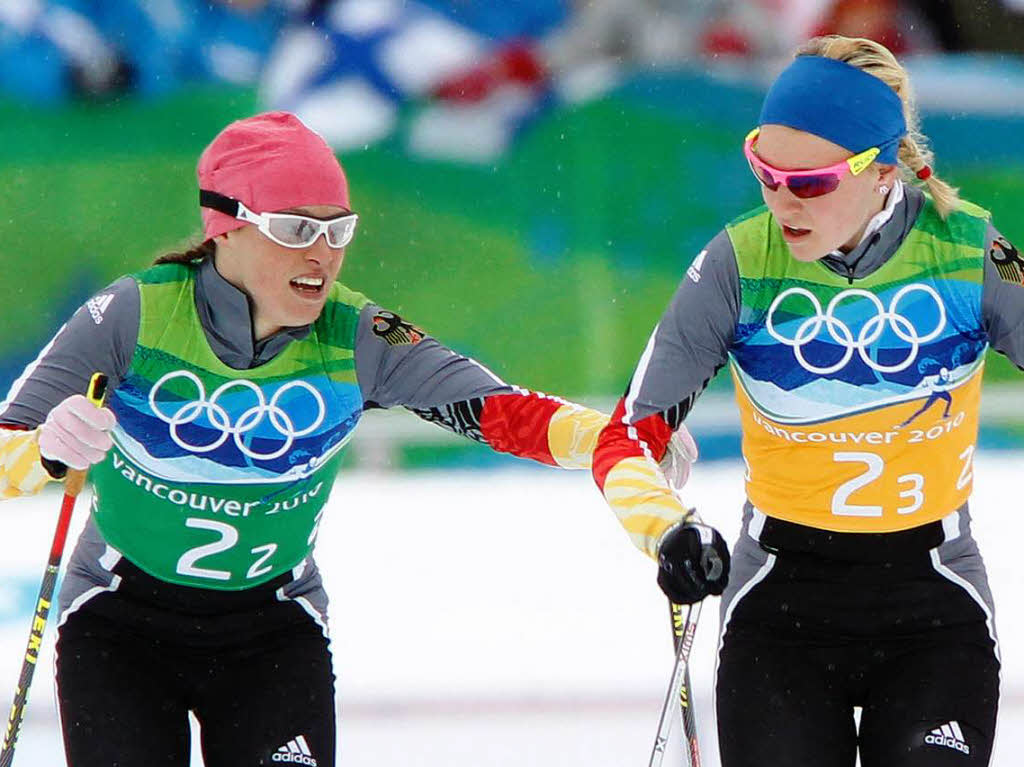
[883, 189]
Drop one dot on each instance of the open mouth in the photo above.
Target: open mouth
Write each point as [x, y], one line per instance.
[308, 287]
[794, 232]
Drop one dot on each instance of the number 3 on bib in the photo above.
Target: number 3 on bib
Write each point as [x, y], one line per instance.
[875, 466]
[910, 486]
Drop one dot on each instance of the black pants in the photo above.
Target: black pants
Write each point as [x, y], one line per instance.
[815, 638]
[255, 671]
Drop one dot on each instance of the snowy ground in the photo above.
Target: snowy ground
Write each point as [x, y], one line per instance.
[502, 618]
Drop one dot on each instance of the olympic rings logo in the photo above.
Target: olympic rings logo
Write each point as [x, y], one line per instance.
[872, 330]
[247, 421]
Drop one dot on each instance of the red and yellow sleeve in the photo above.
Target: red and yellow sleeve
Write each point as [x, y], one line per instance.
[626, 469]
[542, 428]
[21, 472]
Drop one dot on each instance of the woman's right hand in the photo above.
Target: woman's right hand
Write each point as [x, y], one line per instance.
[76, 433]
[693, 561]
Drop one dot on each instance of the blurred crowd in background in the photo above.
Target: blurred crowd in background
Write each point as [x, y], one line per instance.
[471, 67]
[514, 161]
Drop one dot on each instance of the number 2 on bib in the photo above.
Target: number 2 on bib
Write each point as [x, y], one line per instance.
[911, 487]
[187, 563]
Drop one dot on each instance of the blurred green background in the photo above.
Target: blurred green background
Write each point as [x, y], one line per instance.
[550, 266]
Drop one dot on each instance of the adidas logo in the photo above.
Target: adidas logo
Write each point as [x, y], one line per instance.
[948, 735]
[97, 305]
[296, 751]
[694, 271]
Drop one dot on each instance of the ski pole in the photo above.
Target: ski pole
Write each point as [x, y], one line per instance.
[689, 716]
[689, 631]
[72, 487]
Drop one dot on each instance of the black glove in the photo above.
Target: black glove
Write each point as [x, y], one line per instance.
[693, 561]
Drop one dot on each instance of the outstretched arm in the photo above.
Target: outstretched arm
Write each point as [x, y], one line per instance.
[399, 364]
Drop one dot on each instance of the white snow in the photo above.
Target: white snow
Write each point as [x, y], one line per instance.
[503, 618]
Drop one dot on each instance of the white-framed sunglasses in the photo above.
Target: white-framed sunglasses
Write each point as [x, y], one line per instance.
[287, 229]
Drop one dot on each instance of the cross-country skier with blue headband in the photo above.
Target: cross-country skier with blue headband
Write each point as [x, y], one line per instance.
[855, 581]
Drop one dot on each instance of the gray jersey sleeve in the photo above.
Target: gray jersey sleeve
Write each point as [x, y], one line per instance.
[99, 337]
[691, 341]
[398, 364]
[1002, 297]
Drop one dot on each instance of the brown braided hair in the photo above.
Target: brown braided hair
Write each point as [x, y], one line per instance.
[192, 257]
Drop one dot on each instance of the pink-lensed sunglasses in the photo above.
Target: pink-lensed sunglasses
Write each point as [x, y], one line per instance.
[805, 184]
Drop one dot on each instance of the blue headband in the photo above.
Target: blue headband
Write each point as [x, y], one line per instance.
[839, 102]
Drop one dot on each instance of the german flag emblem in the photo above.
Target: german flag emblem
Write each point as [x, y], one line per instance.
[1007, 261]
[394, 330]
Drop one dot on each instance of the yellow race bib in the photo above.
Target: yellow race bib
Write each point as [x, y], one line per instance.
[888, 468]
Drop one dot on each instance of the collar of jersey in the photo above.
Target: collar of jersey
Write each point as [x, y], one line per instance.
[225, 316]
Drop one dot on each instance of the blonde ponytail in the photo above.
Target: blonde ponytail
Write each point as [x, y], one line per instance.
[915, 158]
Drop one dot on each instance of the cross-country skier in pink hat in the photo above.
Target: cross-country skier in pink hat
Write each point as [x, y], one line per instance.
[238, 371]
